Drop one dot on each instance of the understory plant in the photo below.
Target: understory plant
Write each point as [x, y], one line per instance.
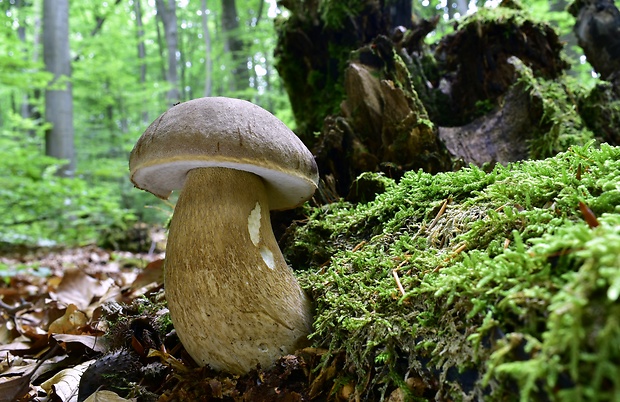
[41, 208]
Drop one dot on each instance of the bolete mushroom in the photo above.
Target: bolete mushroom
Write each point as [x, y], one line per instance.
[233, 300]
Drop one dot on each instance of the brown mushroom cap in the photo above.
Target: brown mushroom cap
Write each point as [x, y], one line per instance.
[223, 132]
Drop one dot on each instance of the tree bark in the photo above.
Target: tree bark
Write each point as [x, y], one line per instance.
[58, 96]
[234, 45]
[208, 60]
[27, 109]
[137, 7]
[167, 13]
[598, 32]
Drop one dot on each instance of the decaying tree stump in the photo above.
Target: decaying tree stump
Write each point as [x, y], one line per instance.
[474, 60]
[384, 101]
[501, 135]
[598, 33]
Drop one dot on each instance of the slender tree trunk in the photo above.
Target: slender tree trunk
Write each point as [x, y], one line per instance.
[137, 7]
[27, 109]
[462, 6]
[259, 13]
[184, 49]
[166, 10]
[400, 12]
[208, 60]
[58, 96]
[233, 44]
[161, 47]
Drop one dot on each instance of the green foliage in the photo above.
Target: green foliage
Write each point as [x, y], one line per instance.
[112, 107]
[507, 289]
[9, 271]
[41, 208]
[335, 12]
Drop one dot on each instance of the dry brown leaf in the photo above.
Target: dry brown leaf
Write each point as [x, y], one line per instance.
[33, 368]
[152, 273]
[65, 384]
[70, 322]
[78, 288]
[19, 344]
[13, 389]
[95, 343]
[112, 294]
[107, 396]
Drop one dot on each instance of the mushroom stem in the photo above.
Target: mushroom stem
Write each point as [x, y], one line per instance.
[233, 300]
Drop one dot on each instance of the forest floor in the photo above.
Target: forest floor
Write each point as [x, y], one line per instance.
[90, 324]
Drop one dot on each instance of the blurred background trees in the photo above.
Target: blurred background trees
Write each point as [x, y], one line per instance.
[127, 62]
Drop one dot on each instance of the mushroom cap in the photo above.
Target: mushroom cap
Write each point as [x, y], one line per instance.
[223, 132]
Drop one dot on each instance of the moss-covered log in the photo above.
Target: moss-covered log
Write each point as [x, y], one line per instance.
[471, 285]
[377, 95]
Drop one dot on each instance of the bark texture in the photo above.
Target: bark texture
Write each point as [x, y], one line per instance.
[377, 93]
[58, 96]
[166, 10]
[598, 33]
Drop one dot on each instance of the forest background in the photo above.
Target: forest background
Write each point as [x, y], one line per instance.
[72, 105]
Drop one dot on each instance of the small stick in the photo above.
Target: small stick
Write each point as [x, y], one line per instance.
[456, 252]
[439, 214]
[397, 279]
[459, 249]
[359, 245]
[588, 215]
[406, 260]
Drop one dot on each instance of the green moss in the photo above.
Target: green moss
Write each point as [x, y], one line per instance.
[518, 15]
[505, 287]
[336, 13]
[315, 86]
[560, 125]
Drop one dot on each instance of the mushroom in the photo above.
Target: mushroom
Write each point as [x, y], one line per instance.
[233, 300]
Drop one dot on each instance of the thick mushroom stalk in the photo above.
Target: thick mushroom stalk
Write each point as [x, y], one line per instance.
[233, 300]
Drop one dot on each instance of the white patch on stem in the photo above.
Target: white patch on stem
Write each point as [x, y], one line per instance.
[254, 224]
[254, 230]
[267, 257]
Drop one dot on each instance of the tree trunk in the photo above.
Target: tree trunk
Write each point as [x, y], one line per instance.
[598, 33]
[137, 7]
[400, 12]
[240, 75]
[167, 13]
[27, 109]
[58, 96]
[208, 59]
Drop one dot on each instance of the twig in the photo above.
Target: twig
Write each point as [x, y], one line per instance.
[456, 252]
[397, 279]
[439, 214]
[358, 246]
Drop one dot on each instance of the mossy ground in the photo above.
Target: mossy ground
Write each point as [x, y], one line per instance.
[474, 285]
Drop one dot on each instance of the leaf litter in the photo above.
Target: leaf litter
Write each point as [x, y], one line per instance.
[88, 324]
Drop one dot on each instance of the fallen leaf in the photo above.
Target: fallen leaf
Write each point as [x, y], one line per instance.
[95, 343]
[65, 384]
[107, 396]
[12, 390]
[32, 367]
[70, 322]
[152, 273]
[78, 288]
